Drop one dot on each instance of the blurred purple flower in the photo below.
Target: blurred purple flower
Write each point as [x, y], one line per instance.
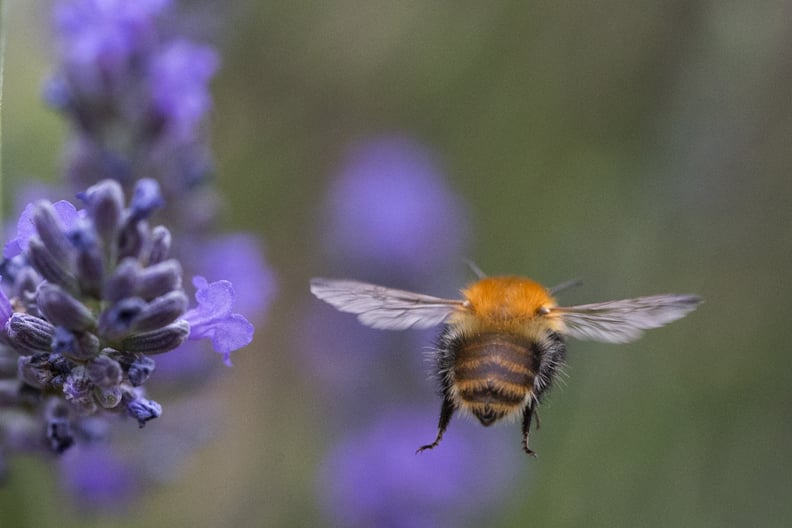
[390, 207]
[374, 477]
[136, 94]
[213, 319]
[180, 76]
[102, 38]
[95, 474]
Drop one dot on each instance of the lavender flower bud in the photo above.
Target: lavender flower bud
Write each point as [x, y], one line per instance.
[89, 261]
[105, 203]
[104, 372]
[140, 369]
[64, 310]
[162, 311]
[159, 279]
[132, 239]
[30, 334]
[158, 341]
[51, 231]
[116, 321]
[146, 199]
[86, 346]
[160, 245]
[48, 266]
[59, 364]
[142, 409]
[35, 370]
[78, 390]
[63, 342]
[25, 283]
[79, 347]
[123, 282]
[109, 397]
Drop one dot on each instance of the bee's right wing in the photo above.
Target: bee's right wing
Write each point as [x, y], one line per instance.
[384, 308]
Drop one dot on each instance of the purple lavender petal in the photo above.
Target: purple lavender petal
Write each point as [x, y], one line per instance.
[212, 318]
[146, 198]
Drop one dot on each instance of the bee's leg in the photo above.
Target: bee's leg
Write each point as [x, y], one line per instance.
[445, 416]
[526, 426]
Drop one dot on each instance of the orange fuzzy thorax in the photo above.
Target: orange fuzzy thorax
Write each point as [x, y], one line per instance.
[506, 304]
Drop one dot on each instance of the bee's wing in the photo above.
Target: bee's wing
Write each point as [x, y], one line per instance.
[384, 308]
[625, 320]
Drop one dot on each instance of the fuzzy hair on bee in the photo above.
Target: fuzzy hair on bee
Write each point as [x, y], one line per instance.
[503, 342]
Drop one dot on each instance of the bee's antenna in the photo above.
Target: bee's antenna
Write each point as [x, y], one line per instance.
[475, 269]
[565, 285]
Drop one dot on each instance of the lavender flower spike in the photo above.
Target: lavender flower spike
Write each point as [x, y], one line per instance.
[212, 318]
[90, 306]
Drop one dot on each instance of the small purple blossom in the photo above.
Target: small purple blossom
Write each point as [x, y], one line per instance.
[142, 409]
[213, 318]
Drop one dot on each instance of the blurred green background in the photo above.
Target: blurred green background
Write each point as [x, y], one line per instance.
[642, 146]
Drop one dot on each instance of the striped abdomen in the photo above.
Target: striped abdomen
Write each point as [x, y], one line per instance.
[492, 374]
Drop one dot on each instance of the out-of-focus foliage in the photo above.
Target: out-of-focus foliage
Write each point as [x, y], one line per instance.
[640, 146]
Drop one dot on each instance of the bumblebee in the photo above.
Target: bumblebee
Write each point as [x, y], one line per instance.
[504, 341]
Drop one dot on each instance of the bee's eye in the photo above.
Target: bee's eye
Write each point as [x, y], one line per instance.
[542, 310]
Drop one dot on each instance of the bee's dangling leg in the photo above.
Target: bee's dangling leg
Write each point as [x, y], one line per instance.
[526, 425]
[445, 416]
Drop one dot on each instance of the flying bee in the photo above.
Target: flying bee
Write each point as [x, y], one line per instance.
[503, 342]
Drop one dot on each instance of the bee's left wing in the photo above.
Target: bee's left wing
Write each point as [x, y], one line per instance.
[384, 308]
[624, 321]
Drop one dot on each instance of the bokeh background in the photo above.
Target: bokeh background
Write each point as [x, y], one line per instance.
[641, 146]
